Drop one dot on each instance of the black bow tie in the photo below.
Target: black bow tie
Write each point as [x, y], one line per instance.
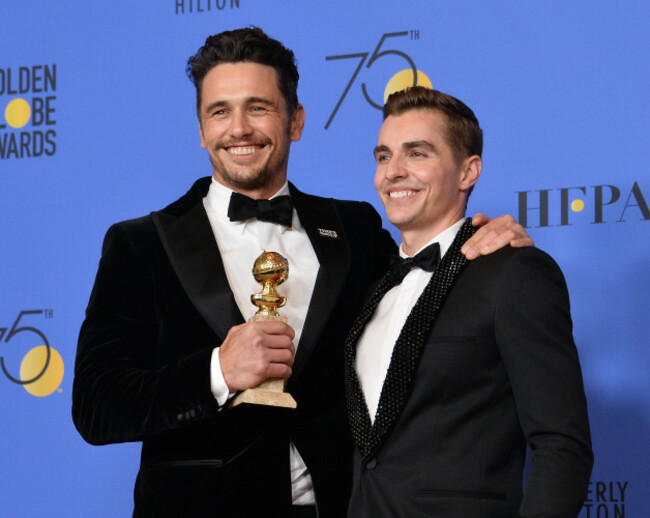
[276, 210]
[426, 259]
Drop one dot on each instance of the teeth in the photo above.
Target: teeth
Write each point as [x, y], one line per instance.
[401, 194]
[240, 150]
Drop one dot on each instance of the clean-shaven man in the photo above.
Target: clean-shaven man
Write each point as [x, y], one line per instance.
[454, 367]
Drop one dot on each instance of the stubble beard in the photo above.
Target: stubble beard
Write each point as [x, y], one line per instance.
[254, 181]
[247, 180]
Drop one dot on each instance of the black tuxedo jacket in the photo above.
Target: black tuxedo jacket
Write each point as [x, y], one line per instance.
[484, 365]
[160, 304]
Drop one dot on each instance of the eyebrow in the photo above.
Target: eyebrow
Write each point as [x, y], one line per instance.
[379, 149]
[406, 146]
[248, 100]
[418, 143]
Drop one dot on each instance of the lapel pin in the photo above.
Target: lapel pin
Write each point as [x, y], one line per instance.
[328, 233]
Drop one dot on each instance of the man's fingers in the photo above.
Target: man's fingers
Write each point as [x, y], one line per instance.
[275, 327]
[278, 370]
[256, 351]
[283, 356]
[522, 242]
[494, 234]
[279, 342]
[479, 219]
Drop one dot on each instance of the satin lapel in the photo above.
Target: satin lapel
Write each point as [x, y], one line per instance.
[320, 220]
[411, 341]
[192, 249]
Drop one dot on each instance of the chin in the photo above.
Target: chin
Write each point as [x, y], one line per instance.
[398, 218]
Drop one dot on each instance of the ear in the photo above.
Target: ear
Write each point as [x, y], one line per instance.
[297, 123]
[470, 172]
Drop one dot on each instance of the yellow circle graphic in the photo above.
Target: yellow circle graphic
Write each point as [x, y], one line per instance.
[403, 80]
[577, 205]
[17, 113]
[32, 365]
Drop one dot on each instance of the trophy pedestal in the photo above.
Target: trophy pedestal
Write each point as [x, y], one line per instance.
[269, 393]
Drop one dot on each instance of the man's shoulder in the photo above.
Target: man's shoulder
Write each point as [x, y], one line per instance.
[515, 265]
[508, 256]
[195, 194]
[345, 207]
[143, 228]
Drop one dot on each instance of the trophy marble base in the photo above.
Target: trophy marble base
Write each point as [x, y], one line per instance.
[268, 393]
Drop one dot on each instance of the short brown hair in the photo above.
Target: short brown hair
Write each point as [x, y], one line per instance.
[464, 134]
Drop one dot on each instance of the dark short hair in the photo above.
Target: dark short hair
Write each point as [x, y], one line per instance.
[464, 134]
[246, 45]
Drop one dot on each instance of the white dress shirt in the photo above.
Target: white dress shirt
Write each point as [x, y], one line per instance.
[240, 243]
[376, 344]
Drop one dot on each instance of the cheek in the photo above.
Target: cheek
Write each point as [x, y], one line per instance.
[378, 179]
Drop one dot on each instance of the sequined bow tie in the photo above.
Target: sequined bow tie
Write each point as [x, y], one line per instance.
[276, 210]
[426, 259]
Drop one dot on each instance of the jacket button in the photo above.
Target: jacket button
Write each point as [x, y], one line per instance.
[180, 417]
[371, 464]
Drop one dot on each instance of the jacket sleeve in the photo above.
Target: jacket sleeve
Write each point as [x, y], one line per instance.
[534, 335]
[122, 391]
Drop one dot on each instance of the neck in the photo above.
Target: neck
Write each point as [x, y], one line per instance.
[413, 240]
[258, 193]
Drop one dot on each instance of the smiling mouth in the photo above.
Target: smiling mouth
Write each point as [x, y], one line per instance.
[401, 194]
[243, 150]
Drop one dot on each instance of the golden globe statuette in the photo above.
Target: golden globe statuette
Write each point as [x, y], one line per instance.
[270, 270]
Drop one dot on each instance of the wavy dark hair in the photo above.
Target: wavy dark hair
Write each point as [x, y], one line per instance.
[252, 45]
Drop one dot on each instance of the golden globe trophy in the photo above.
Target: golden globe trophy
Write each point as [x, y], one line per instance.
[270, 270]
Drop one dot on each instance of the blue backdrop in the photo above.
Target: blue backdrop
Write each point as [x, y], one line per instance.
[97, 124]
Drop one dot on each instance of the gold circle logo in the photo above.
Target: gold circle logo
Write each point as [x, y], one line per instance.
[32, 365]
[404, 79]
[577, 205]
[18, 113]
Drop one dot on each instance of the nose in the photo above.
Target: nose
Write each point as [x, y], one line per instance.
[396, 168]
[239, 124]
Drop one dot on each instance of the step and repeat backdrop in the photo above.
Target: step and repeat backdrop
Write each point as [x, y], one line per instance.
[98, 124]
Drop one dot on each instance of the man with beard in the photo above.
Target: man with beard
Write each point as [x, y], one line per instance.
[164, 346]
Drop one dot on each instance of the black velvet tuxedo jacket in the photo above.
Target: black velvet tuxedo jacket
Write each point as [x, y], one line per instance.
[485, 364]
[160, 304]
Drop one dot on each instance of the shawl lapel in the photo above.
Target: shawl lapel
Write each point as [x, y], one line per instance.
[187, 237]
[320, 219]
[406, 354]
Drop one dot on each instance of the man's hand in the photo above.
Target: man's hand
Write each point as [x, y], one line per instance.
[256, 351]
[493, 234]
